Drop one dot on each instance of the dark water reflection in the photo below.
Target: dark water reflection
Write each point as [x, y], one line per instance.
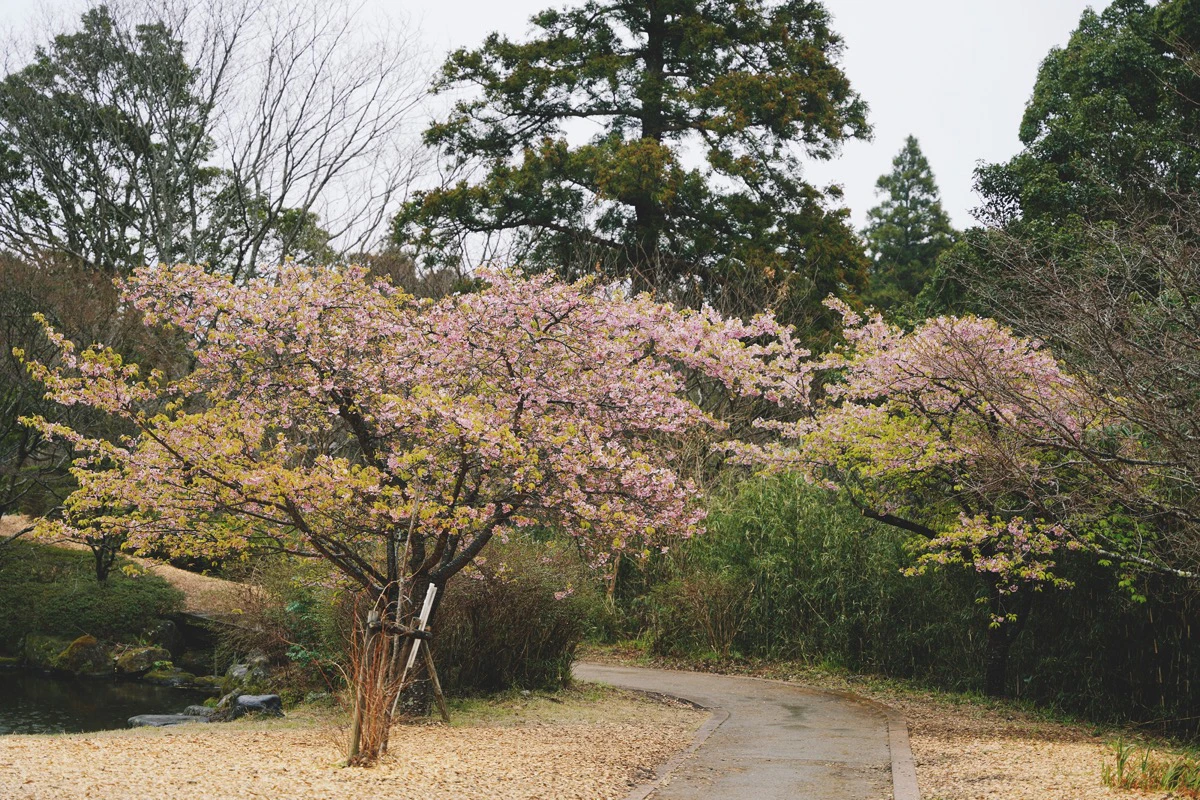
[34, 703]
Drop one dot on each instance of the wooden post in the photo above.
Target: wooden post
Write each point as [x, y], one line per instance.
[437, 685]
[415, 644]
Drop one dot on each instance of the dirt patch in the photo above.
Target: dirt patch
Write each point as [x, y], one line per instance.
[964, 752]
[591, 745]
[201, 593]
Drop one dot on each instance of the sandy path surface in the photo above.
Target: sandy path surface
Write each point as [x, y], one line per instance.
[972, 753]
[583, 757]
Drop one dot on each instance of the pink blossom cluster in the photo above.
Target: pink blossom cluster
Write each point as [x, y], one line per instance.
[331, 412]
[959, 429]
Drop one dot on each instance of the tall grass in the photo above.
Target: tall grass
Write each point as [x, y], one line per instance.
[1148, 770]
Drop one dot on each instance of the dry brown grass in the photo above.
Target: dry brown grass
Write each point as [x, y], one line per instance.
[592, 746]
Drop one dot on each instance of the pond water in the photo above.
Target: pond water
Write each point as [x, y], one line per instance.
[35, 703]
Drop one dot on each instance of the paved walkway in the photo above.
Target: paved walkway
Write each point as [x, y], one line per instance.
[773, 741]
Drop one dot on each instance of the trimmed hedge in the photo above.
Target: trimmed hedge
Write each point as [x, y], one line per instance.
[52, 590]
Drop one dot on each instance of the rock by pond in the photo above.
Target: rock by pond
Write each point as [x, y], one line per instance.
[163, 720]
[169, 675]
[86, 657]
[40, 651]
[138, 661]
[199, 711]
[269, 704]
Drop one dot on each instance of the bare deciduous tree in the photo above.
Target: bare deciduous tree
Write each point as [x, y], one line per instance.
[1120, 303]
[232, 132]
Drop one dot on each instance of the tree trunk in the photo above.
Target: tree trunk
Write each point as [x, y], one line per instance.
[995, 674]
[649, 218]
[1001, 635]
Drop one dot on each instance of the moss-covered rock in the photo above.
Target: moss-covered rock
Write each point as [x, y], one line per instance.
[140, 660]
[9, 661]
[86, 657]
[250, 678]
[209, 682]
[41, 651]
[169, 676]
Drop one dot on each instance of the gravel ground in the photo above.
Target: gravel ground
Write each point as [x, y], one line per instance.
[966, 752]
[584, 749]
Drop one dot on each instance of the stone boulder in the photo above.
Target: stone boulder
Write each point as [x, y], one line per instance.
[86, 657]
[250, 677]
[169, 676]
[42, 652]
[138, 661]
[163, 720]
[268, 704]
[235, 705]
[198, 711]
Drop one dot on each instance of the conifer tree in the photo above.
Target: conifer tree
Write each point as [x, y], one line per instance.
[698, 114]
[907, 232]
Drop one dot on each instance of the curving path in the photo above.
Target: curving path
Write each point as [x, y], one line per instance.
[769, 740]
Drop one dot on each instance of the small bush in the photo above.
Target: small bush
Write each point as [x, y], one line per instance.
[506, 623]
[52, 590]
[703, 609]
[290, 615]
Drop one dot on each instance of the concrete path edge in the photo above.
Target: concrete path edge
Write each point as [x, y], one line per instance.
[716, 717]
[904, 766]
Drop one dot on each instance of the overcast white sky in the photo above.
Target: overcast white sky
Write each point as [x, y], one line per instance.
[954, 73]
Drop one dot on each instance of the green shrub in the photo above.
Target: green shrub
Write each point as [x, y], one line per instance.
[290, 614]
[51, 590]
[502, 626]
[802, 575]
[823, 585]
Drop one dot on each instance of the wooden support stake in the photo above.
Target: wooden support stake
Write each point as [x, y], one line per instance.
[437, 686]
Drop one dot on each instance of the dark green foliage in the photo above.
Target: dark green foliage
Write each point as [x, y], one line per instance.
[907, 232]
[1097, 651]
[109, 152]
[54, 591]
[98, 120]
[1115, 113]
[690, 184]
[502, 626]
[824, 586]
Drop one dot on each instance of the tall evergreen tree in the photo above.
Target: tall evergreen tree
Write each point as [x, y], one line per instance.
[690, 184]
[1114, 117]
[907, 232]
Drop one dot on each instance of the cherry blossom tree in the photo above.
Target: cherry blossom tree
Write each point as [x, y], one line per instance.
[979, 443]
[342, 419]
